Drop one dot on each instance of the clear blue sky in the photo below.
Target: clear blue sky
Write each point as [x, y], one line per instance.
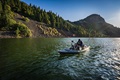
[74, 10]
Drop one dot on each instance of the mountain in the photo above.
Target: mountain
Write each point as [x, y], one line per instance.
[97, 23]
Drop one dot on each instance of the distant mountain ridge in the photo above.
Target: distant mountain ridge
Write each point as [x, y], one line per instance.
[98, 23]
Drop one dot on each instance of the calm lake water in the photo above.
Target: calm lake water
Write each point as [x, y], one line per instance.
[38, 59]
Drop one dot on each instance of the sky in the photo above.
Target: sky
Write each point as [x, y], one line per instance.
[74, 10]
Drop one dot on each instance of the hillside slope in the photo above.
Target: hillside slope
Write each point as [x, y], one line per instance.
[35, 28]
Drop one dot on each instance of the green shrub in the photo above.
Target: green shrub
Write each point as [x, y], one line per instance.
[25, 19]
[17, 33]
[12, 22]
[22, 30]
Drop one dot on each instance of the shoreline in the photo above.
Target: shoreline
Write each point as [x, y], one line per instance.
[11, 34]
[7, 34]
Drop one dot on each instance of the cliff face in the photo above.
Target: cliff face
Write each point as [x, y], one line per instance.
[96, 22]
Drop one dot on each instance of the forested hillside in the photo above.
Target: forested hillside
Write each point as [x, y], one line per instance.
[8, 7]
[54, 25]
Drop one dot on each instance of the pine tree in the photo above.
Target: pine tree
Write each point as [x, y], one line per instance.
[1, 7]
[52, 19]
[17, 6]
[57, 22]
[46, 19]
[12, 3]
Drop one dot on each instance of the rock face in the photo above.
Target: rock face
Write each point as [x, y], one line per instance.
[96, 22]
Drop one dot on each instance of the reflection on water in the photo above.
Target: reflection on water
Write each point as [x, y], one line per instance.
[38, 59]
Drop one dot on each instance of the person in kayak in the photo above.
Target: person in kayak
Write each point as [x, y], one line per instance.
[80, 44]
[72, 45]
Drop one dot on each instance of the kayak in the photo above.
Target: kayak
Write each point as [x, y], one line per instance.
[70, 51]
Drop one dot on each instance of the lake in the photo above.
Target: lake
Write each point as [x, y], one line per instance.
[38, 59]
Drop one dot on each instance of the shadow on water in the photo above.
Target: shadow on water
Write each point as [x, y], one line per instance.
[64, 56]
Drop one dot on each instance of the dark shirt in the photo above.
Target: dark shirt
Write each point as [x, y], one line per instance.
[80, 43]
